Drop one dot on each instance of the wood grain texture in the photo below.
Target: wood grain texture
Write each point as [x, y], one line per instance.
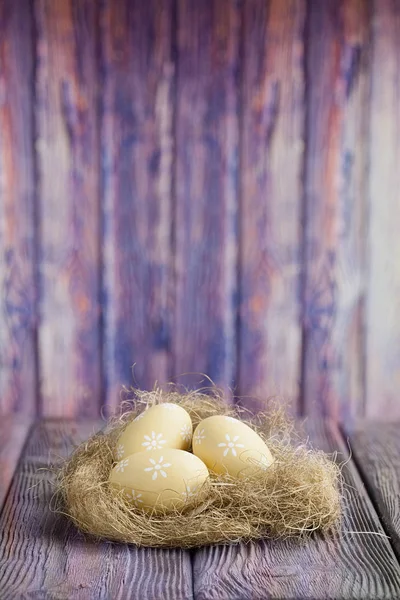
[206, 191]
[67, 155]
[137, 154]
[335, 207]
[270, 214]
[43, 556]
[352, 565]
[17, 223]
[382, 320]
[13, 432]
[376, 449]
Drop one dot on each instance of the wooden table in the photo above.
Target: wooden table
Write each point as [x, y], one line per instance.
[43, 556]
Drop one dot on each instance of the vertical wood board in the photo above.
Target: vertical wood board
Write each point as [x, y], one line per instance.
[67, 155]
[272, 145]
[207, 138]
[335, 208]
[18, 316]
[383, 287]
[137, 154]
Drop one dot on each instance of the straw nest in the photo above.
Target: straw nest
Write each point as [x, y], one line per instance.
[300, 493]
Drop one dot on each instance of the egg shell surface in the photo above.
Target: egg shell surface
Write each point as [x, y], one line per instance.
[159, 480]
[162, 426]
[227, 445]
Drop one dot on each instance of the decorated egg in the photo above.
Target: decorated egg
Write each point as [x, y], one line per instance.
[161, 479]
[227, 445]
[162, 426]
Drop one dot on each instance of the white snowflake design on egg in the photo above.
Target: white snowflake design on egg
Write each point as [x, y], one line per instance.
[134, 496]
[230, 445]
[120, 451]
[169, 406]
[186, 432]
[120, 467]
[154, 441]
[158, 467]
[232, 419]
[200, 435]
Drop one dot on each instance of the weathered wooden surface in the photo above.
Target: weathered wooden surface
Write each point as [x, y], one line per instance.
[137, 150]
[273, 113]
[43, 555]
[205, 187]
[335, 207]
[376, 450]
[383, 288]
[68, 194]
[13, 432]
[355, 565]
[17, 229]
[207, 138]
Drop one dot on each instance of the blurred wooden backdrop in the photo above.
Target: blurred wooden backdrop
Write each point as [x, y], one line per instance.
[200, 186]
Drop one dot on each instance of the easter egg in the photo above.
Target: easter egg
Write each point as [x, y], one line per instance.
[162, 426]
[159, 480]
[227, 445]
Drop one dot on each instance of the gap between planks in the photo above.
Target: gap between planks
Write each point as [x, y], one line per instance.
[386, 521]
[341, 446]
[354, 564]
[42, 553]
[13, 439]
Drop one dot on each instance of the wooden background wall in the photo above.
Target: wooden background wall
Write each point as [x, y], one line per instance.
[200, 186]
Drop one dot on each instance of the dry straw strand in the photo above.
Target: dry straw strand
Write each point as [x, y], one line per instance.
[300, 493]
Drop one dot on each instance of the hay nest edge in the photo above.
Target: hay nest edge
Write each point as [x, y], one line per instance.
[300, 493]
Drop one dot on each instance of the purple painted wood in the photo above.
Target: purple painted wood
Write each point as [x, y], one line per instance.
[383, 285]
[17, 207]
[270, 215]
[13, 432]
[43, 556]
[137, 147]
[206, 191]
[210, 113]
[335, 208]
[353, 565]
[67, 156]
[376, 450]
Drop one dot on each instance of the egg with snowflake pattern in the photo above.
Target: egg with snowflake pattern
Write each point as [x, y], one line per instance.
[160, 480]
[162, 426]
[227, 445]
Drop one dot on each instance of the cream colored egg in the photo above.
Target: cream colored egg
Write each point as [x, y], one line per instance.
[227, 445]
[161, 479]
[162, 426]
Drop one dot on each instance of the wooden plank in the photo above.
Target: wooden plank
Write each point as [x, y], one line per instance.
[17, 208]
[335, 207]
[354, 564]
[270, 215]
[206, 191]
[376, 449]
[383, 287]
[137, 120]
[13, 432]
[43, 555]
[67, 154]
